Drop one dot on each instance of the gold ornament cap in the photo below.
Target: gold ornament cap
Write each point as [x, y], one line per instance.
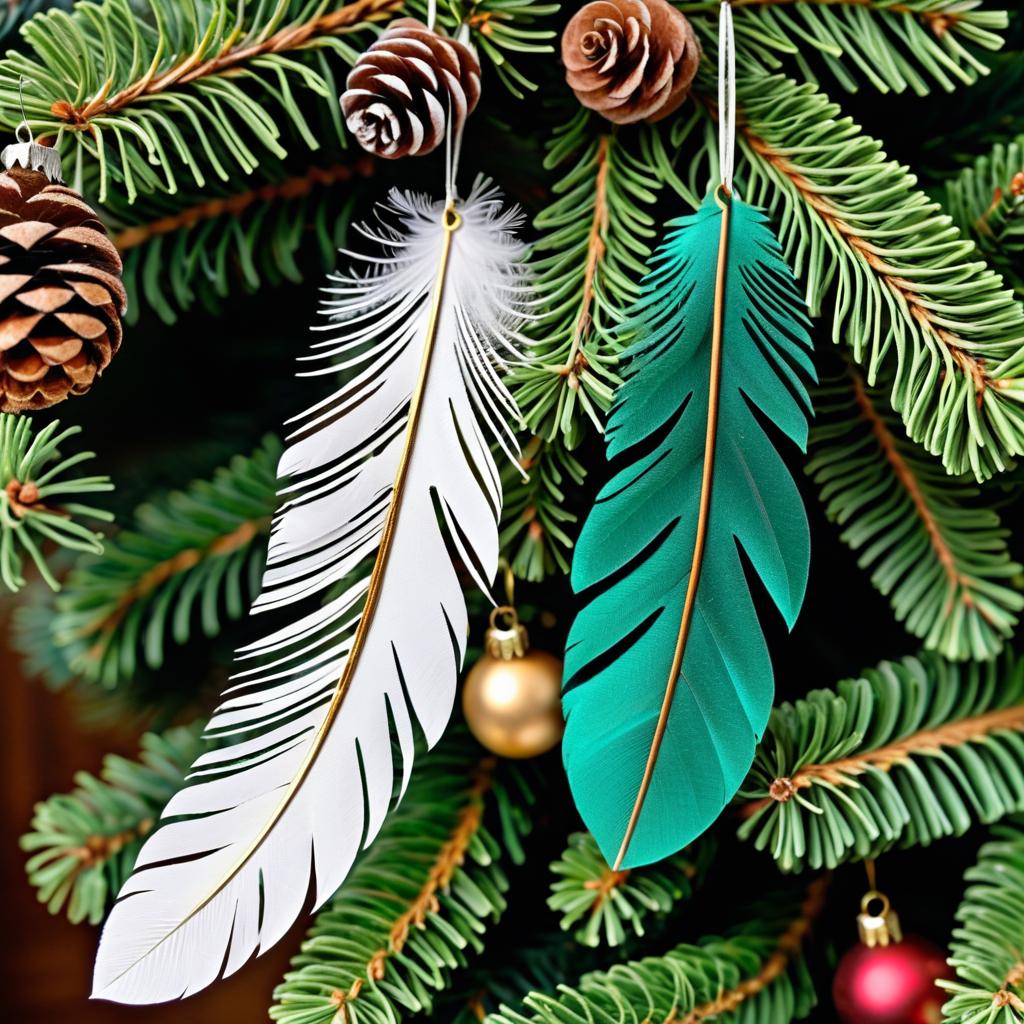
[508, 641]
[877, 923]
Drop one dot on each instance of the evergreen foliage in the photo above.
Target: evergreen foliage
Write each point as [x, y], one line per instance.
[905, 754]
[83, 844]
[535, 522]
[890, 45]
[595, 238]
[933, 548]
[419, 901]
[605, 906]
[907, 290]
[194, 558]
[200, 248]
[38, 501]
[986, 948]
[756, 969]
[986, 201]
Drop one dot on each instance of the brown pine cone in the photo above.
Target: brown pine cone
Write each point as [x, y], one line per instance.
[630, 60]
[397, 97]
[61, 296]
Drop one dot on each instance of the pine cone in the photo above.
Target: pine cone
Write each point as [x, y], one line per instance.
[61, 296]
[397, 97]
[630, 60]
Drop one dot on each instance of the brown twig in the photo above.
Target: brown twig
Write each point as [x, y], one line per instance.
[928, 741]
[576, 363]
[1006, 997]
[915, 303]
[229, 58]
[788, 947]
[163, 571]
[234, 206]
[604, 886]
[905, 475]
[450, 857]
[98, 849]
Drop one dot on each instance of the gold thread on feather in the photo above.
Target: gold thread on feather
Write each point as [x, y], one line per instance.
[451, 221]
[700, 538]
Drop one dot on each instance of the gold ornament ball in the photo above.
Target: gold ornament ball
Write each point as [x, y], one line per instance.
[514, 707]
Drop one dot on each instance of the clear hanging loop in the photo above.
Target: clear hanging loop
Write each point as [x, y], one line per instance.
[726, 96]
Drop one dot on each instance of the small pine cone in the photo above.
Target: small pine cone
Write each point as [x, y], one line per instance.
[630, 60]
[398, 95]
[61, 296]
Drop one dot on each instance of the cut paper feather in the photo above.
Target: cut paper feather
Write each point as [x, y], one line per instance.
[386, 481]
[668, 683]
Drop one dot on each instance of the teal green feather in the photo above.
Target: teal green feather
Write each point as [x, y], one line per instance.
[634, 556]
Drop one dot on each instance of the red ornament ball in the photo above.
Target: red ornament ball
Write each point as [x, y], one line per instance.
[892, 984]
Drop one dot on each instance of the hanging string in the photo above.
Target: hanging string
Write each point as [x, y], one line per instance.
[453, 140]
[726, 96]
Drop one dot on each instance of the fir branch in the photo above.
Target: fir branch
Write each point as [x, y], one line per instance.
[205, 87]
[607, 904]
[84, 843]
[986, 201]
[424, 893]
[757, 967]
[906, 754]
[183, 249]
[535, 519]
[938, 554]
[501, 29]
[907, 288]
[596, 237]
[986, 951]
[39, 502]
[893, 45]
[203, 548]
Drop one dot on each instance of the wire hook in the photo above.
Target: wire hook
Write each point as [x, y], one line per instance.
[23, 132]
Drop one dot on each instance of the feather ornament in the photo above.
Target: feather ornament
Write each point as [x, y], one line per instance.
[387, 482]
[668, 683]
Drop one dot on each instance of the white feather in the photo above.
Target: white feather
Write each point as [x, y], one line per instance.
[239, 849]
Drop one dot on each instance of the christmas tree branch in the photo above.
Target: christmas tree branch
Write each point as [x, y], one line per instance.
[292, 187]
[933, 548]
[596, 237]
[893, 46]
[758, 966]
[906, 287]
[83, 844]
[534, 513]
[227, 59]
[605, 905]
[986, 947]
[908, 753]
[789, 945]
[186, 249]
[986, 201]
[424, 893]
[203, 546]
[38, 500]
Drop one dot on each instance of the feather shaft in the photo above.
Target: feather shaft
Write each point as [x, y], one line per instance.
[700, 539]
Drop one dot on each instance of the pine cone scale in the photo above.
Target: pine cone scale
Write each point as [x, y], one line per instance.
[405, 89]
[60, 324]
[630, 60]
